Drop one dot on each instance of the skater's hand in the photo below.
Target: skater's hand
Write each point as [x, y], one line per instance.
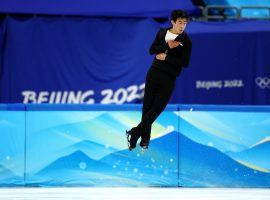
[172, 44]
[161, 56]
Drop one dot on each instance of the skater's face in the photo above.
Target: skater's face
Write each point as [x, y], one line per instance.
[179, 25]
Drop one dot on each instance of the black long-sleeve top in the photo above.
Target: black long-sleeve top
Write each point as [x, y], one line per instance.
[177, 58]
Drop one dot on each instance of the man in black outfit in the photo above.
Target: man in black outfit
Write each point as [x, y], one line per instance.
[172, 49]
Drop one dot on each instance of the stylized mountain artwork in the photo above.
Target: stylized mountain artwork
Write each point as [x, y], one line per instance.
[8, 131]
[258, 156]
[57, 141]
[217, 140]
[5, 173]
[91, 149]
[155, 167]
[208, 167]
[8, 178]
[77, 169]
[200, 166]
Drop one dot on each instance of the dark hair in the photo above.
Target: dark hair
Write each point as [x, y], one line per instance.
[179, 14]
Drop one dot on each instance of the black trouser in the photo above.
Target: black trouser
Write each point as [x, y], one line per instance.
[158, 90]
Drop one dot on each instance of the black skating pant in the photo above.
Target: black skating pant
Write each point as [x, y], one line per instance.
[158, 90]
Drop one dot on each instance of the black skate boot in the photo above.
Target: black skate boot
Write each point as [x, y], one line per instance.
[132, 138]
[144, 145]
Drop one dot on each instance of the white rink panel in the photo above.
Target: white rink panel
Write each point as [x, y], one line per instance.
[133, 193]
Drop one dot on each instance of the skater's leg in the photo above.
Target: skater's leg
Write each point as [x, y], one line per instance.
[149, 94]
[145, 138]
[148, 100]
[159, 104]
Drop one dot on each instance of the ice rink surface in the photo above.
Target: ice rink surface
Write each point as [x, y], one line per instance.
[134, 193]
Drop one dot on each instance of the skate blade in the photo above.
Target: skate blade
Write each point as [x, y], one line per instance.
[144, 149]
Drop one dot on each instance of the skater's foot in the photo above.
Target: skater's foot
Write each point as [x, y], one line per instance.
[144, 145]
[132, 139]
[144, 142]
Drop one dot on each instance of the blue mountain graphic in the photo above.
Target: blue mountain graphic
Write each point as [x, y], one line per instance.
[205, 166]
[76, 161]
[162, 150]
[77, 169]
[8, 178]
[257, 155]
[199, 166]
[82, 127]
[91, 149]
[158, 164]
[5, 173]
[199, 136]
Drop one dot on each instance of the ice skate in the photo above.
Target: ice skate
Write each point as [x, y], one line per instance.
[132, 139]
[128, 135]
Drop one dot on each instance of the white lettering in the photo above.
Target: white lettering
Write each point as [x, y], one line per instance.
[86, 95]
[108, 93]
[122, 92]
[29, 97]
[120, 96]
[208, 84]
[72, 98]
[42, 97]
[233, 83]
[58, 97]
[64, 97]
[52, 97]
[219, 84]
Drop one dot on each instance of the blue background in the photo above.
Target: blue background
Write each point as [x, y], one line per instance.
[118, 8]
[98, 56]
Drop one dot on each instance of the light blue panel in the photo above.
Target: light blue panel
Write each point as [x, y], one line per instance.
[89, 148]
[227, 148]
[247, 12]
[12, 143]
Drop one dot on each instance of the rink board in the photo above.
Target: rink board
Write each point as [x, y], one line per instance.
[85, 145]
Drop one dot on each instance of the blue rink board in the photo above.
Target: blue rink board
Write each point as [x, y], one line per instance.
[85, 145]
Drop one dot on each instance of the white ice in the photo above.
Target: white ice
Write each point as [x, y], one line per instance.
[133, 193]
